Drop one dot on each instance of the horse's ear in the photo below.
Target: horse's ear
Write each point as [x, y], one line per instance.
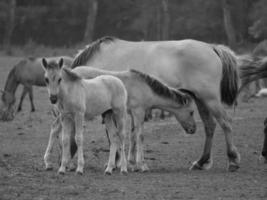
[60, 63]
[44, 62]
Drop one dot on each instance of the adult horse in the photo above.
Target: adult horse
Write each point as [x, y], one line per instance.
[28, 72]
[208, 70]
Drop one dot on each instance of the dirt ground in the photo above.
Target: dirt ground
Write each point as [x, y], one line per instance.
[169, 154]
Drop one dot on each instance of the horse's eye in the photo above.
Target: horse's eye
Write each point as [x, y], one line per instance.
[59, 80]
[46, 80]
[191, 113]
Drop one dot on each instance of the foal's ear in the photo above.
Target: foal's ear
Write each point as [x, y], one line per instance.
[44, 62]
[60, 63]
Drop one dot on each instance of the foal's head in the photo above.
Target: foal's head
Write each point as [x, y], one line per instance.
[7, 106]
[53, 77]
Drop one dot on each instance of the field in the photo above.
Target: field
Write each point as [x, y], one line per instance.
[169, 154]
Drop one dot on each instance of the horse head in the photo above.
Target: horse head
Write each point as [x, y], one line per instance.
[185, 112]
[53, 77]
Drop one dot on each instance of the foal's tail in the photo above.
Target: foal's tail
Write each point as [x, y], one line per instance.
[229, 82]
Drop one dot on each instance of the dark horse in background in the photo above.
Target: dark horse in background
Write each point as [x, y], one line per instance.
[28, 72]
[208, 71]
[252, 73]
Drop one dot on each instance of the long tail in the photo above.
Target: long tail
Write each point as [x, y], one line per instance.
[254, 70]
[229, 82]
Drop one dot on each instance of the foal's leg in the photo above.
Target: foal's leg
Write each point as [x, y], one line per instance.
[54, 132]
[139, 115]
[205, 161]
[79, 118]
[114, 143]
[31, 98]
[66, 132]
[23, 94]
[224, 120]
[120, 118]
[132, 143]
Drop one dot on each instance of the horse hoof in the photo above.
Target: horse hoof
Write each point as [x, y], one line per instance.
[79, 173]
[61, 172]
[49, 168]
[195, 166]
[108, 173]
[124, 172]
[233, 167]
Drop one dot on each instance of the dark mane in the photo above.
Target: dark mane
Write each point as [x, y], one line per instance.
[72, 76]
[161, 89]
[82, 57]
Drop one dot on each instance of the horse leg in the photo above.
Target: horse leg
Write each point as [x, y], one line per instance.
[225, 122]
[79, 118]
[120, 118]
[113, 144]
[139, 115]
[23, 94]
[132, 145]
[205, 161]
[66, 127]
[54, 132]
[31, 98]
[264, 148]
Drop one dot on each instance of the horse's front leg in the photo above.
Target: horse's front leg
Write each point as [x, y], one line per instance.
[132, 144]
[23, 94]
[31, 99]
[79, 119]
[54, 133]
[205, 161]
[66, 131]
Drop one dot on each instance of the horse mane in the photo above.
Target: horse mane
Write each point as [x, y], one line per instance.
[72, 76]
[89, 51]
[161, 89]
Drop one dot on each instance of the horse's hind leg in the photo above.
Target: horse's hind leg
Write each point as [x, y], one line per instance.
[54, 132]
[120, 118]
[225, 122]
[205, 162]
[31, 98]
[23, 94]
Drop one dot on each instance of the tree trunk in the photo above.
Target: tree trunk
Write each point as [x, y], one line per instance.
[90, 22]
[165, 20]
[228, 24]
[10, 23]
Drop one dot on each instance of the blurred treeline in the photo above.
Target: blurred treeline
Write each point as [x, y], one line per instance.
[68, 22]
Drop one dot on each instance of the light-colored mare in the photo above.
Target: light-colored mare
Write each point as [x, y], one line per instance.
[208, 70]
[77, 99]
[28, 72]
[146, 92]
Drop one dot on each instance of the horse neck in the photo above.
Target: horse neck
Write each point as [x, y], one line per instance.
[11, 83]
[164, 103]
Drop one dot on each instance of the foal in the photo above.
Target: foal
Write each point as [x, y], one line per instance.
[76, 99]
[146, 92]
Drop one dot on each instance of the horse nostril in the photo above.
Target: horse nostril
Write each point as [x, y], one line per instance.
[53, 99]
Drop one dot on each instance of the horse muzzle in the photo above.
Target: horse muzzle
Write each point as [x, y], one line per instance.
[53, 99]
[190, 129]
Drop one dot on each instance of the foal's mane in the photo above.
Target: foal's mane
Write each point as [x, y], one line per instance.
[161, 89]
[89, 51]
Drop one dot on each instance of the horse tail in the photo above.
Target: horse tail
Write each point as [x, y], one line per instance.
[253, 70]
[229, 81]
